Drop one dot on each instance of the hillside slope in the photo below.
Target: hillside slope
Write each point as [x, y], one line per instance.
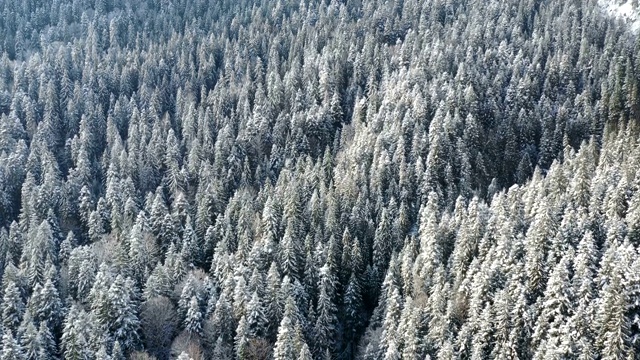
[318, 179]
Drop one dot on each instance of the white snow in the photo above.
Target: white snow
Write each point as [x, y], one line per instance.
[625, 10]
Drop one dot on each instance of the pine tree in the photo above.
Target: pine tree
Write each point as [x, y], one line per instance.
[481, 339]
[285, 347]
[439, 322]
[326, 326]
[256, 318]
[15, 242]
[82, 271]
[47, 343]
[305, 353]
[430, 246]
[140, 249]
[353, 307]
[122, 320]
[66, 247]
[29, 342]
[585, 270]
[13, 307]
[158, 283]
[408, 329]
[193, 320]
[96, 228]
[102, 354]
[612, 325]
[556, 306]
[174, 264]
[74, 340]
[291, 252]
[98, 296]
[505, 334]
[382, 243]
[40, 248]
[45, 305]
[241, 339]
[189, 290]
[389, 337]
[191, 248]
[274, 303]
[538, 237]
[10, 348]
[632, 290]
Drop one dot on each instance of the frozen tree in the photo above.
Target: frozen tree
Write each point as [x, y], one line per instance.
[193, 319]
[11, 350]
[432, 179]
[285, 346]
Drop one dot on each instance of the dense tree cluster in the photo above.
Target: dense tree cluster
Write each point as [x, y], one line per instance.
[318, 179]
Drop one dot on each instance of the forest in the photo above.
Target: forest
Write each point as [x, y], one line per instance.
[318, 180]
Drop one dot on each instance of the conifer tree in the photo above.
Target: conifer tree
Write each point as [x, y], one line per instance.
[256, 318]
[285, 346]
[353, 307]
[193, 320]
[102, 354]
[13, 307]
[632, 290]
[29, 342]
[45, 305]
[612, 325]
[390, 336]
[305, 353]
[460, 182]
[291, 252]
[10, 348]
[241, 339]
[122, 319]
[46, 342]
[408, 330]
[556, 306]
[75, 344]
[326, 326]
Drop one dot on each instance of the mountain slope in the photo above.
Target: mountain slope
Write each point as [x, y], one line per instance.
[318, 179]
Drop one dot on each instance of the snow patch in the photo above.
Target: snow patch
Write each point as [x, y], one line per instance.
[627, 10]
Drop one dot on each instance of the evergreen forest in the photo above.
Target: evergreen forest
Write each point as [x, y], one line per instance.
[319, 180]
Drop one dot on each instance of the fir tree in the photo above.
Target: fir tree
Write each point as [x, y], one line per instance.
[612, 325]
[74, 340]
[241, 339]
[13, 307]
[47, 343]
[10, 348]
[326, 326]
[193, 320]
[285, 346]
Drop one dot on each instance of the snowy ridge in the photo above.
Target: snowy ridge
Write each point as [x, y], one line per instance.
[627, 10]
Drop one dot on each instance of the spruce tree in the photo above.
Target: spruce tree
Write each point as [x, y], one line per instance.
[11, 350]
[326, 326]
[13, 307]
[285, 346]
[193, 319]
